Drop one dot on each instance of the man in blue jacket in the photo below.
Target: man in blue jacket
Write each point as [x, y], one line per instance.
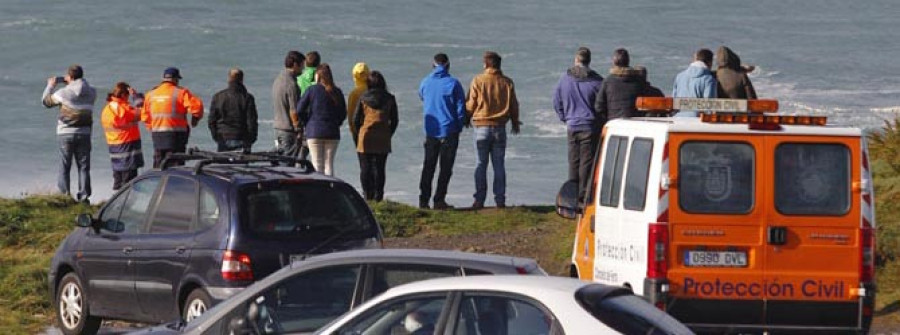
[574, 104]
[697, 81]
[443, 103]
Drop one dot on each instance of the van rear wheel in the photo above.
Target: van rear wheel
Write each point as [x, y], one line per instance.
[72, 311]
[196, 304]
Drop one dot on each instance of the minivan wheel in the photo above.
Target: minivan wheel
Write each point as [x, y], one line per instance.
[72, 311]
[196, 304]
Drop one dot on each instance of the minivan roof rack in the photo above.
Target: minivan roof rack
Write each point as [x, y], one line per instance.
[205, 158]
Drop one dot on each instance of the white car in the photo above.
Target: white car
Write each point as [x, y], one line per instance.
[489, 305]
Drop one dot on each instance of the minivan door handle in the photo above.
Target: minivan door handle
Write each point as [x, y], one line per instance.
[180, 249]
[777, 235]
[128, 249]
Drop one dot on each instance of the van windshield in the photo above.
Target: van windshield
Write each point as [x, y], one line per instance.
[812, 179]
[716, 177]
[312, 209]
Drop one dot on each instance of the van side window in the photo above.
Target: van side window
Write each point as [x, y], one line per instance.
[716, 177]
[177, 207]
[638, 172]
[209, 209]
[614, 163]
[812, 179]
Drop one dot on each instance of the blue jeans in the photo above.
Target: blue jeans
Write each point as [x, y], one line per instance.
[490, 143]
[77, 146]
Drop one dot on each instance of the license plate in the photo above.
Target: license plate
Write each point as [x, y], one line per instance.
[716, 258]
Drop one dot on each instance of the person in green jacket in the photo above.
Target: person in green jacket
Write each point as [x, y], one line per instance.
[308, 77]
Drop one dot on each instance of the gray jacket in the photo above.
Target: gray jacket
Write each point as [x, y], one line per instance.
[76, 106]
[285, 95]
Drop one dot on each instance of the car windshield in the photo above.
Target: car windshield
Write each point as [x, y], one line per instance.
[319, 209]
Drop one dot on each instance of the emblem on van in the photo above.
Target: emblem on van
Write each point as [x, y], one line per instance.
[718, 182]
[698, 232]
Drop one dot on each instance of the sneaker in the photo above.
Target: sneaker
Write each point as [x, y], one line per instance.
[442, 205]
[477, 205]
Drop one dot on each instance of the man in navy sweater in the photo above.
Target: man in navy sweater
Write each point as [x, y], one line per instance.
[574, 104]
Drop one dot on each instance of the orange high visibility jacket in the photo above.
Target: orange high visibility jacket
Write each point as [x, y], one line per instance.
[120, 122]
[166, 108]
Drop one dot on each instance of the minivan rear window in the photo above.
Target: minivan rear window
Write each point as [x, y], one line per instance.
[716, 177]
[812, 179]
[305, 209]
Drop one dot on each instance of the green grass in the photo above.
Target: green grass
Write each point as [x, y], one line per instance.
[399, 220]
[30, 231]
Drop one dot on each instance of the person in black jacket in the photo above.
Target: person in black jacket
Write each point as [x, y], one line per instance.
[619, 90]
[232, 115]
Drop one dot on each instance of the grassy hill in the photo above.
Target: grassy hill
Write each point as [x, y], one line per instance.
[31, 228]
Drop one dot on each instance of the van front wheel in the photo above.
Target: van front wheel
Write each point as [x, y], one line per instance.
[72, 311]
[196, 304]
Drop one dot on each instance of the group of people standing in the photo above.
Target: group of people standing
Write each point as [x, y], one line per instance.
[309, 110]
[585, 101]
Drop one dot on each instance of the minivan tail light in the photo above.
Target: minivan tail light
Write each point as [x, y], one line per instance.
[236, 266]
[658, 245]
[867, 255]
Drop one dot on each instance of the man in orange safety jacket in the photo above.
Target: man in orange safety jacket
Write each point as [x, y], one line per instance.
[120, 123]
[165, 114]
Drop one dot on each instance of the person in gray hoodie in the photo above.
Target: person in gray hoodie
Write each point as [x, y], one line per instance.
[697, 81]
[73, 127]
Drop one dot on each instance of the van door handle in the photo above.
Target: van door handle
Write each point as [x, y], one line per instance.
[776, 235]
[127, 250]
[180, 250]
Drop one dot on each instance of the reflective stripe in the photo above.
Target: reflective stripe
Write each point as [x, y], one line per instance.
[121, 155]
[169, 128]
[175, 92]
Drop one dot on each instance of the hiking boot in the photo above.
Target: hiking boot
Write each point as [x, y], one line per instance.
[501, 205]
[423, 205]
[442, 205]
[477, 205]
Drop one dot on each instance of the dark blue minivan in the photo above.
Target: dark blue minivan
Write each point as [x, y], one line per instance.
[178, 240]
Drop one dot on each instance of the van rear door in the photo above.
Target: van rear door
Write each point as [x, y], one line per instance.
[811, 252]
[716, 207]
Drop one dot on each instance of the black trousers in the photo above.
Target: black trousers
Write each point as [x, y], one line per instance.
[437, 150]
[168, 142]
[372, 175]
[582, 145]
[120, 178]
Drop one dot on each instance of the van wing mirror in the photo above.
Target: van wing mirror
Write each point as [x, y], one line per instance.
[87, 221]
[567, 200]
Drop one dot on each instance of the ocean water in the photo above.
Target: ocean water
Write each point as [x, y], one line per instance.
[830, 57]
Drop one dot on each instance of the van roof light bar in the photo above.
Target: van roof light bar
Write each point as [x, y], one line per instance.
[666, 105]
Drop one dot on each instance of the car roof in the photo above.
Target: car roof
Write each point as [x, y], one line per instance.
[436, 257]
[694, 125]
[540, 287]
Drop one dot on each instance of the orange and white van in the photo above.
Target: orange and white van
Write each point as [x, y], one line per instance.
[732, 221]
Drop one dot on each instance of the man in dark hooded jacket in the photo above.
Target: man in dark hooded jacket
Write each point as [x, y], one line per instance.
[573, 102]
[619, 91]
[732, 77]
[232, 115]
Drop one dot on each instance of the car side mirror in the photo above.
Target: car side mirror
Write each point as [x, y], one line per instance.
[567, 200]
[87, 221]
